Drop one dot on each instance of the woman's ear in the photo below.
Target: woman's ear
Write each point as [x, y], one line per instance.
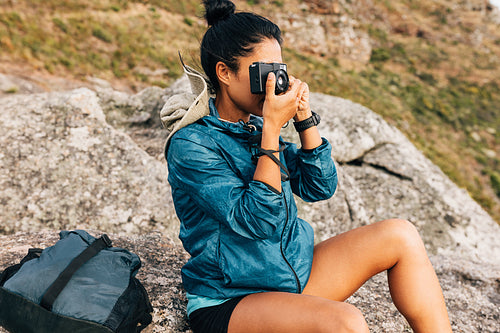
[223, 73]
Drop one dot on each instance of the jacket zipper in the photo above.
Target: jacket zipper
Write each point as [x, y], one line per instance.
[297, 281]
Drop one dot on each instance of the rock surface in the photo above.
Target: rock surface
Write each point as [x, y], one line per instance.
[93, 160]
[63, 166]
[470, 288]
[325, 30]
[382, 175]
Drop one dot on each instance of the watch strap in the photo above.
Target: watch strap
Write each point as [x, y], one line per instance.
[302, 125]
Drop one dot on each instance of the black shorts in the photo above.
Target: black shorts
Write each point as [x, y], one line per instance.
[213, 319]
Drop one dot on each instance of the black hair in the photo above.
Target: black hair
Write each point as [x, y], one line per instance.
[231, 35]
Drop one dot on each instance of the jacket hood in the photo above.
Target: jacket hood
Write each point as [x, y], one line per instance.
[183, 109]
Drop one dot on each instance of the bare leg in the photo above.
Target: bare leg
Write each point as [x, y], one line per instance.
[276, 312]
[344, 263]
[341, 265]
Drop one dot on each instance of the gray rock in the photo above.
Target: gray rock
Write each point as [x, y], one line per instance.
[122, 109]
[180, 86]
[10, 84]
[338, 35]
[63, 166]
[470, 288]
[137, 115]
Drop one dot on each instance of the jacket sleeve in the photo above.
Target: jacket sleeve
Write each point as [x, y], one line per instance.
[251, 209]
[313, 175]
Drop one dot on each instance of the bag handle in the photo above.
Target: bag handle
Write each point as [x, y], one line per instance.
[62, 280]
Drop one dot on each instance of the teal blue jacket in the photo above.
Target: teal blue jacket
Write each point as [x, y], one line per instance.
[243, 235]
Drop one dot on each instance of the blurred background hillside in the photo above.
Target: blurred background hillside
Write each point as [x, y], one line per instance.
[429, 67]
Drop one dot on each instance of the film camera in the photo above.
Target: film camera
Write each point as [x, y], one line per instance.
[258, 77]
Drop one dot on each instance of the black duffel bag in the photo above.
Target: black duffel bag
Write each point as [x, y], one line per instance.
[81, 284]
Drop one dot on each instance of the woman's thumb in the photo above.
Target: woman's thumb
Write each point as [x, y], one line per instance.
[270, 84]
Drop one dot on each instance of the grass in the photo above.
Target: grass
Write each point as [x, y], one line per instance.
[103, 38]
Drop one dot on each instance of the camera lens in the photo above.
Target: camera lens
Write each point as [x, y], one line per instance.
[281, 81]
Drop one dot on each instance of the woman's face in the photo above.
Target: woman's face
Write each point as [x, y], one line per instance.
[238, 89]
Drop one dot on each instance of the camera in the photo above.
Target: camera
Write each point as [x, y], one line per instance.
[258, 77]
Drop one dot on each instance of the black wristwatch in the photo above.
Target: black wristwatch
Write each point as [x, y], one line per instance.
[302, 125]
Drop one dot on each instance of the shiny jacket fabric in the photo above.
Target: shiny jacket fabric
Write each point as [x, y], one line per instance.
[243, 235]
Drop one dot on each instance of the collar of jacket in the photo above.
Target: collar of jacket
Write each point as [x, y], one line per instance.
[183, 109]
[236, 128]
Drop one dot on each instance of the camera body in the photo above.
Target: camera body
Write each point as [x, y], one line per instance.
[258, 76]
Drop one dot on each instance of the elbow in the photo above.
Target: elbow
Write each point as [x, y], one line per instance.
[322, 189]
[328, 183]
[265, 223]
[332, 188]
[331, 185]
[257, 229]
[328, 190]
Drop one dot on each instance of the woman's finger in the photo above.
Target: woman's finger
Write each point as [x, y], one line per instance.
[270, 83]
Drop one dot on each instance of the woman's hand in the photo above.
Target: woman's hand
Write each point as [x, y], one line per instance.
[279, 109]
[309, 138]
[303, 110]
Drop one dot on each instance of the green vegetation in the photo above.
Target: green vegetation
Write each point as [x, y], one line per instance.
[495, 181]
[380, 55]
[80, 38]
[102, 34]
[11, 90]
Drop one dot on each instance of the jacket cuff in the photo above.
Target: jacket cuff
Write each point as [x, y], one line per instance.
[316, 151]
[271, 188]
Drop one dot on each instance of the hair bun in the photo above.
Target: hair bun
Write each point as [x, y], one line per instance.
[218, 10]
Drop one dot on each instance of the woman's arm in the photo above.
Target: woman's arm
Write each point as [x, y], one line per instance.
[316, 177]
[313, 172]
[313, 175]
[277, 111]
[203, 180]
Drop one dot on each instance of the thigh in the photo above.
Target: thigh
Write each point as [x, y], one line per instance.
[342, 264]
[275, 312]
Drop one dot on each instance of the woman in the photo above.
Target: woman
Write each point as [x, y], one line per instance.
[253, 265]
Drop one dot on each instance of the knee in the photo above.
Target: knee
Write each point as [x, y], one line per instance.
[347, 320]
[354, 322]
[402, 233]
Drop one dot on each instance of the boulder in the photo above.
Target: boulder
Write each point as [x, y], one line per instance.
[327, 34]
[63, 166]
